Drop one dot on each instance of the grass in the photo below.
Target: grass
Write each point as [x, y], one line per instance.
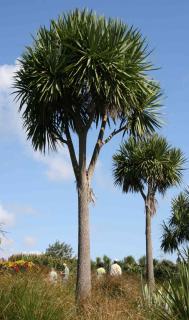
[30, 296]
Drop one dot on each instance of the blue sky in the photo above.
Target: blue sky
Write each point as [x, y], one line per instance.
[38, 202]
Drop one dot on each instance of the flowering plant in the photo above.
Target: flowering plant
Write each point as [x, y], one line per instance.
[16, 266]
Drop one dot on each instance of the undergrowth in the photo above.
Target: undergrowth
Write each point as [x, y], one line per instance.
[30, 296]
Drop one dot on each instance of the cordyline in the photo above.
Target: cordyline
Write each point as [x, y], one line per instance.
[148, 167]
[83, 72]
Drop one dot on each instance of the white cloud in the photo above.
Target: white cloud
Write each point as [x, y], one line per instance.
[58, 164]
[58, 169]
[21, 209]
[103, 178]
[6, 247]
[6, 218]
[6, 242]
[9, 118]
[30, 241]
[6, 76]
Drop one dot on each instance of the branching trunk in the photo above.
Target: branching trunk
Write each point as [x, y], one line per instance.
[84, 265]
[72, 153]
[83, 177]
[97, 148]
[149, 251]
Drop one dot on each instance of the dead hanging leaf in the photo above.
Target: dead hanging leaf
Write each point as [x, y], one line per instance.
[92, 197]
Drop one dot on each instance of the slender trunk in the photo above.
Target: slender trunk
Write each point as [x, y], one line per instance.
[83, 289]
[149, 253]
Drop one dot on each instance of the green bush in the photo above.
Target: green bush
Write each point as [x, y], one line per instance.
[142, 261]
[164, 269]
[107, 262]
[129, 260]
[129, 265]
[60, 250]
[44, 260]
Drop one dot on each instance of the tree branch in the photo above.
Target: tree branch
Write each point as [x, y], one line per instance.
[63, 140]
[72, 153]
[114, 133]
[97, 147]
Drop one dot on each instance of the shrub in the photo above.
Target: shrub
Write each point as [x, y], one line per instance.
[107, 262]
[60, 250]
[164, 269]
[45, 260]
[129, 265]
[142, 261]
[129, 260]
[16, 266]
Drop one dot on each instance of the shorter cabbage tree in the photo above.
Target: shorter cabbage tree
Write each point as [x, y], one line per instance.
[148, 167]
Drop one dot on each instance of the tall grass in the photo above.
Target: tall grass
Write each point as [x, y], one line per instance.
[30, 296]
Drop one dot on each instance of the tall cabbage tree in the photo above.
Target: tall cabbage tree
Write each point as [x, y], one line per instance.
[85, 72]
[176, 231]
[148, 167]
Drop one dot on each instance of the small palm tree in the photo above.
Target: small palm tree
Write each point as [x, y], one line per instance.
[148, 167]
[85, 72]
[176, 231]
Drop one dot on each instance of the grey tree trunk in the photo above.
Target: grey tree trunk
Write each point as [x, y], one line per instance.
[149, 252]
[83, 289]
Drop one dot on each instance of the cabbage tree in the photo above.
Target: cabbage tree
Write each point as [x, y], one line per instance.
[148, 167]
[84, 72]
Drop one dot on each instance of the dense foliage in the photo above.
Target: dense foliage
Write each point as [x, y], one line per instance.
[148, 166]
[59, 250]
[31, 297]
[176, 230]
[16, 266]
[85, 66]
[45, 260]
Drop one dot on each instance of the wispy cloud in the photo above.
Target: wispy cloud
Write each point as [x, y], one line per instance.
[21, 209]
[10, 122]
[6, 246]
[103, 178]
[58, 166]
[6, 76]
[6, 218]
[30, 241]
